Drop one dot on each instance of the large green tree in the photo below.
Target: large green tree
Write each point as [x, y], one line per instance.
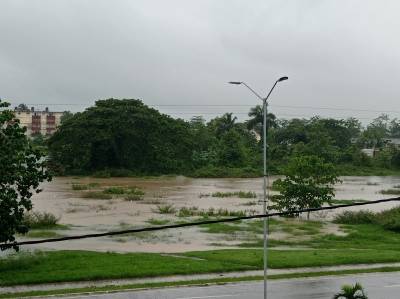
[308, 183]
[122, 134]
[22, 169]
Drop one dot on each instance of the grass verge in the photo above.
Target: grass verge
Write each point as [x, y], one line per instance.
[86, 265]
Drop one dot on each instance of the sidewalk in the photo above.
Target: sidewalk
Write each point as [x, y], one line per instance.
[100, 283]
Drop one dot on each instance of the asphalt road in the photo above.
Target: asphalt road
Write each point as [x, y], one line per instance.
[377, 285]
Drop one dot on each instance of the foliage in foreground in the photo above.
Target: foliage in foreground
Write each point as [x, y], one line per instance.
[351, 292]
[22, 169]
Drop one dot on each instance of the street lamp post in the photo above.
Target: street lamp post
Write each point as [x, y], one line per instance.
[265, 176]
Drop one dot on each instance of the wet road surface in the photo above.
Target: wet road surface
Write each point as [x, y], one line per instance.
[377, 285]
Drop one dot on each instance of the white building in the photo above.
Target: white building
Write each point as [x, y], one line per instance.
[393, 141]
[43, 122]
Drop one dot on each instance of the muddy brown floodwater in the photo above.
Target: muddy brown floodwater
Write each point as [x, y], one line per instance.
[95, 215]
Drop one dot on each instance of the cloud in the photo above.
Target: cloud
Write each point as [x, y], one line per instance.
[336, 53]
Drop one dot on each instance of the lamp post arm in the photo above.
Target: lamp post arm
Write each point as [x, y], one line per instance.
[253, 91]
[266, 99]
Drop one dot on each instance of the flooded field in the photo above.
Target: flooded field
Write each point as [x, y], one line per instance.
[88, 215]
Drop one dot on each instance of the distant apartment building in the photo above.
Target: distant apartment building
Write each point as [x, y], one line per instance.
[38, 122]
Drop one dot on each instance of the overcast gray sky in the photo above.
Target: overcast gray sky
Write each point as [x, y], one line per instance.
[342, 54]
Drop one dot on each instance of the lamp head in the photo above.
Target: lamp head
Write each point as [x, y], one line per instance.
[282, 79]
[235, 82]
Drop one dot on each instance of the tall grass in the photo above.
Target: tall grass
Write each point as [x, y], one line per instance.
[40, 220]
[132, 193]
[351, 217]
[391, 191]
[240, 194]
[79, 187]
[166, 209]
[211, 212]
[114, 190]
[388, 219]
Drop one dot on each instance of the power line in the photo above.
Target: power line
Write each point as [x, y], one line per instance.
[163, 227]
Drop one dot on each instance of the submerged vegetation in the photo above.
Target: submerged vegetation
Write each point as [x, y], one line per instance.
[388, 219]
[40, 220]
[240, 194]
[166, 209]
[211, 212]
[96, 195]
[391, 191]
[131, 193]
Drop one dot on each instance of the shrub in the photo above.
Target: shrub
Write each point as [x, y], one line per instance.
[188, 212]
[114, 190]
[240, 194]
[135, 191]
[153, 221]
[79, 187]
[166, 209]
[40, 220]
[389, 219]
[222, 194]
[391, 191]
[96, 195]
[248, 194]
[201, 195]
[211, 212]
[359, 217]
[92, 185]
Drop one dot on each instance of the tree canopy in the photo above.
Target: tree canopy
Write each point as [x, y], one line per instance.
[308, 183]
[122, 134]
[22, 169]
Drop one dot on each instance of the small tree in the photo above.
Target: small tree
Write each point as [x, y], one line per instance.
[351, 292]
[308, 184]
[22, 168]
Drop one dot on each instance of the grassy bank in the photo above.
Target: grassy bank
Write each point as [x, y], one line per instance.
[364, 242]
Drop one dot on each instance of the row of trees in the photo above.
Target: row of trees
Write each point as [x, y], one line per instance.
[126, 134]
